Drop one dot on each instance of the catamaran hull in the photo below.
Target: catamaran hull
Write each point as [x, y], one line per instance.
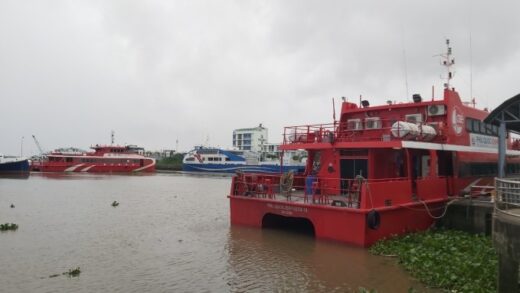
[93, 168]
[338, 223]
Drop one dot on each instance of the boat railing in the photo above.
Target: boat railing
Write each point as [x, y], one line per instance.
[353, 193]
[507, 198]
[362, 130]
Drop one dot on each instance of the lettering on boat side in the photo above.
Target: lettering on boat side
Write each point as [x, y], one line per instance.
[483, 141]
[286, 209]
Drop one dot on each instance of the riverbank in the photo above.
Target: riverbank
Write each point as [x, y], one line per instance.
[447, 259]
[173, 163]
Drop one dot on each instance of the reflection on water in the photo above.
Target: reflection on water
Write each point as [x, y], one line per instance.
[274, 260]
[170, 233]
[8, 175]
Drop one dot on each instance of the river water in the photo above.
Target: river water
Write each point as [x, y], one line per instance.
[170, 233]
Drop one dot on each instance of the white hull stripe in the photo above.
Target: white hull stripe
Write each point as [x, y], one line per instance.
[144, 167]
[453, 147]
[88, 168]
[71, 169]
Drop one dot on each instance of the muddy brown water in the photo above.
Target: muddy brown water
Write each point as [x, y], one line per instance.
[170, 233]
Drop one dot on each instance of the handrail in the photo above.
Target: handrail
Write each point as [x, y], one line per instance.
[347, 132]
[322, 190]
[507, 194]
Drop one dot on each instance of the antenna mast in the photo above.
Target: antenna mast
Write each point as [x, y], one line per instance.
[405, 63]
[470, 68]
[448, 61]
[112, 134]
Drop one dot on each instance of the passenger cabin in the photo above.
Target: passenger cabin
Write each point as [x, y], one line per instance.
[422, 148]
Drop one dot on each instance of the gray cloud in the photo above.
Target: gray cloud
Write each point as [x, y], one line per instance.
[155, 71]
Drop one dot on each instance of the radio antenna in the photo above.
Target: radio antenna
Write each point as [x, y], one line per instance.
[447, 61]
[404, 63]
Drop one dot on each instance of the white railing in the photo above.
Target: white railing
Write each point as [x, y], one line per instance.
[507, 194]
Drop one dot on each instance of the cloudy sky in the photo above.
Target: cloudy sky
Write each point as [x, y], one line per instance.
[156, 71]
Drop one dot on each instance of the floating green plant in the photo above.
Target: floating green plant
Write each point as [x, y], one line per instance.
[73, 272]
[115, 204]
[452, 260]
[8, 226]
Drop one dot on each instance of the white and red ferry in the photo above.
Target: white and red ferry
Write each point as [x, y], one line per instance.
[104, 158]
[378, 171]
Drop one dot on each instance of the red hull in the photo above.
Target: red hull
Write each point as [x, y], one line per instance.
[105, 159]
[91, 168]
[337, 223]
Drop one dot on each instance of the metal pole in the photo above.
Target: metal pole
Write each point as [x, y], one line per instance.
[501, 149]
[21, 148]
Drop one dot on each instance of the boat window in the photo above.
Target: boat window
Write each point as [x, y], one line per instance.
[69, 159]
[228, 159]
[476, 126]
[469, 124]
[482, 128]
[489, 129]
[190, 159]
[478, 169]
[494, 129]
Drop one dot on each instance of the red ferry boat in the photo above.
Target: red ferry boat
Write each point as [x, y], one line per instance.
[378, 171]
[104, 158]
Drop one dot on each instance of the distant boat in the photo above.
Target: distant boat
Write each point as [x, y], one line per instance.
[216, 160]
[12, 164]
[104, 159]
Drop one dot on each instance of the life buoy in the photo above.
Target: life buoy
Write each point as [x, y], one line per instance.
[373, 219]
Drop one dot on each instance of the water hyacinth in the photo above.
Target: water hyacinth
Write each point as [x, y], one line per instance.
[8, 226]
[452, 260]
[73, 272]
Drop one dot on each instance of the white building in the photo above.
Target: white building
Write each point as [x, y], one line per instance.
[250, 139]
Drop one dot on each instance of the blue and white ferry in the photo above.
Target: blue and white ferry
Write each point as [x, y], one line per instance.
[12, 164]
[216, 160]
